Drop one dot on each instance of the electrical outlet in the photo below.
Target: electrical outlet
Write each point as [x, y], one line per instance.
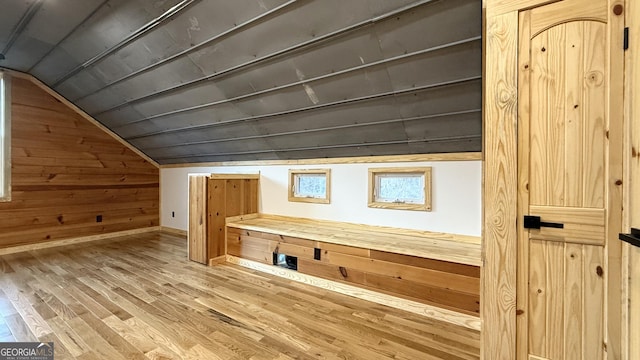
[173, 214]
[99, 218]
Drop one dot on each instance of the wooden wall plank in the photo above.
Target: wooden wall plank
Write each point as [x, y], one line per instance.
[217, 203]
[498, 294]
[66, 171]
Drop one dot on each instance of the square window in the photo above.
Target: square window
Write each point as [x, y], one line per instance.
[310, 185]
[400, 188]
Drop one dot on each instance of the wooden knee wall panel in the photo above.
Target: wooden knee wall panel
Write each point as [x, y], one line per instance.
[438, 283]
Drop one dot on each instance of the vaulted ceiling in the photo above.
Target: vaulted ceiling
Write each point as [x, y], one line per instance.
[190, 81]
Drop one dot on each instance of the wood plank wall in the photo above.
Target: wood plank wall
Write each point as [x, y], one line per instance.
[444, 284]
[66, 171]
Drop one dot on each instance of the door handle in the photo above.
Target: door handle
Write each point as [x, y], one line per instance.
[533, 222]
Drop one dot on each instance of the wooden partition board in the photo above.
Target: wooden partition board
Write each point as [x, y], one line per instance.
[67, 171]
[448, 285]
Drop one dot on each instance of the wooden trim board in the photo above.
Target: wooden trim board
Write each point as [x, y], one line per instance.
[78, 240]
[631, 259]
[470, 156]
[433, 312]
[500, 195]
[173, 231]
[234, 176]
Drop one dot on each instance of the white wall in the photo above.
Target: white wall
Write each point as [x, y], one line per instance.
[456, 196]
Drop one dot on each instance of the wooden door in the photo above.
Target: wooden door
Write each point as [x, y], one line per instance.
[198, 218]
[567, 166]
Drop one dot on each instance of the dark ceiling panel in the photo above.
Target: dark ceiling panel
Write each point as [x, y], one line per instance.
[216, 80]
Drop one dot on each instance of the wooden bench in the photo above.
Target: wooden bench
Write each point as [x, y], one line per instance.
[439, 270]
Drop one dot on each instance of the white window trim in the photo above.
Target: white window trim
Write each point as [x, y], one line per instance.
[292, 182]
[422, 171]
[5, 137]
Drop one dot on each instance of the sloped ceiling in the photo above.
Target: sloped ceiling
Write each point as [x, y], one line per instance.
[219, 80]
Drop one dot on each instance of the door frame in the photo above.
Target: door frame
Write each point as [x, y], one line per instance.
[500, 184]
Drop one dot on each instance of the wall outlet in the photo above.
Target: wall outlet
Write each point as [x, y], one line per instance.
[99, 218]
[173, 214]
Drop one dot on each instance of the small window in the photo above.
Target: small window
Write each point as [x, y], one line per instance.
[310, 185]
[5, 137]
[400, 188]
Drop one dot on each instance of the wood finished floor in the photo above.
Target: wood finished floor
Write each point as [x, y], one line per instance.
[139, 298]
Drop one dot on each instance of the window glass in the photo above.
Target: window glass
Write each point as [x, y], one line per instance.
[400, 188]
[310, 185]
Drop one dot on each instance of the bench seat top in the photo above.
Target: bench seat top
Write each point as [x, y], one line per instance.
[462, 249]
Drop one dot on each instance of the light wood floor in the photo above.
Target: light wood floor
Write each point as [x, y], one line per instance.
[138, 297]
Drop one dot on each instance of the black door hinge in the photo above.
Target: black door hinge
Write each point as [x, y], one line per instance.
[626, 38]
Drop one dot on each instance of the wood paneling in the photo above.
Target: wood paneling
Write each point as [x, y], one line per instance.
[66, 171]
[498, 296]
[444, 284]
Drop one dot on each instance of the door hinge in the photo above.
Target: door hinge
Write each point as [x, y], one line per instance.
[626, 38]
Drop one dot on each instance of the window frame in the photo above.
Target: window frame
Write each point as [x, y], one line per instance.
[293, 174]
[5, 137]
[374, 173]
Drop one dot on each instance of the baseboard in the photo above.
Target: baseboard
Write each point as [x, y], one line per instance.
[217, 260]
[173, 231]
[77, 240]
[434, 312]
